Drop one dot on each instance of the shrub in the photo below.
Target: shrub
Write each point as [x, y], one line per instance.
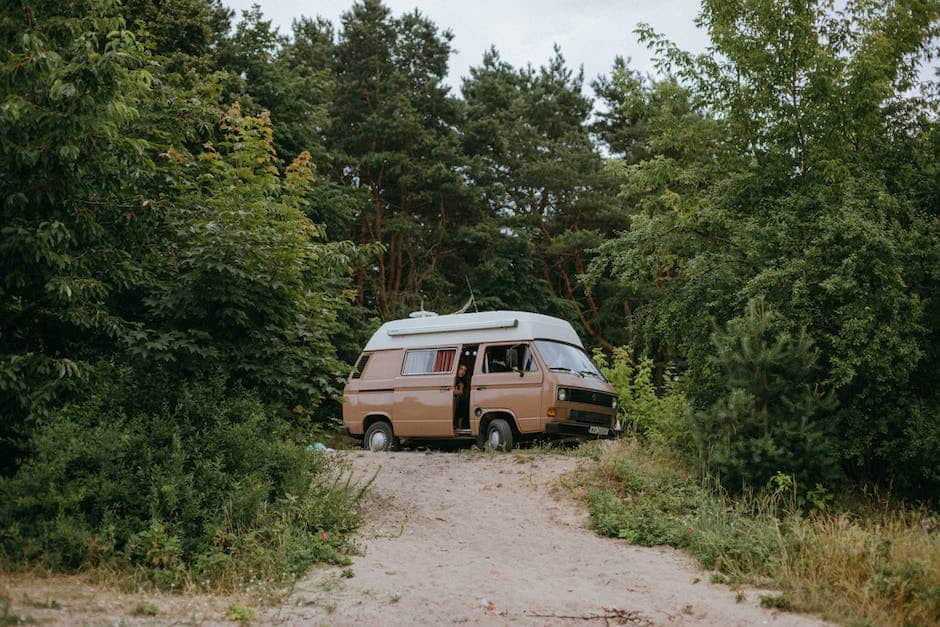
[660, 416]
[205, 486]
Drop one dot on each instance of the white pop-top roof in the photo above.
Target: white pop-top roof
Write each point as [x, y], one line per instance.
[487, 326]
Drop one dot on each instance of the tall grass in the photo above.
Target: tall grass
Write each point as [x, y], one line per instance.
[864, 560]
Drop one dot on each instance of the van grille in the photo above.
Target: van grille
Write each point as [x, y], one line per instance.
[591, 417]
[591, 397]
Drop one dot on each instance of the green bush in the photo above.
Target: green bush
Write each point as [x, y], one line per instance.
[661, 416]
[208, 487]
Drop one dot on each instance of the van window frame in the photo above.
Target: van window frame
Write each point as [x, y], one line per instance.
[528, 344]
[359, 367]
[453, 366]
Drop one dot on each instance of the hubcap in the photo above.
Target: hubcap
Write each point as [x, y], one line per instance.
[494, 438]
[377, 441]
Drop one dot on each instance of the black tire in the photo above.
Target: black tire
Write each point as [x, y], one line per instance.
[379, 437]
[498, 436]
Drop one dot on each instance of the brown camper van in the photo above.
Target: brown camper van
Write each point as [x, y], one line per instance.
[497, 376]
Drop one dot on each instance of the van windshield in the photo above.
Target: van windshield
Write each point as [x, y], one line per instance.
[567, 358]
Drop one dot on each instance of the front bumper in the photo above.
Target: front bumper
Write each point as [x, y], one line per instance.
[580, 429]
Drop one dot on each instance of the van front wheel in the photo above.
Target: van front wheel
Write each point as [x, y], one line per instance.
[498, 436]
[379, 437]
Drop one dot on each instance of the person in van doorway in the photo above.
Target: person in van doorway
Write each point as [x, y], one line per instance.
[462, 397]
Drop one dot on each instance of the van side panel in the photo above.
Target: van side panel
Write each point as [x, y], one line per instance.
[374, 392]
[518, 395]
[424, 406]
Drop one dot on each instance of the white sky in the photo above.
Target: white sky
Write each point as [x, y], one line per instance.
[590, 32]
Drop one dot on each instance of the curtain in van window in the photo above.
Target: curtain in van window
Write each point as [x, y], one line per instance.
[444, 361]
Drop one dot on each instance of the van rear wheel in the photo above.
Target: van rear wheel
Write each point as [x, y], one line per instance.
[498, 436]
[379, 437]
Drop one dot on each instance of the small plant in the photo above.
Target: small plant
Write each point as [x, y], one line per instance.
[778, 602]
[395, 598]
[718, 578]
[740, 597]
[348, 573]
[240, 613]
[819, 499]
[146, 609]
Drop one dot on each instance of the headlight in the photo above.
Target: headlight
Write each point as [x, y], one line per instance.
[614, 403]
[562, 394]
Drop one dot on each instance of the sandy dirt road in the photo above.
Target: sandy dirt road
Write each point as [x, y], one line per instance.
[489, 539]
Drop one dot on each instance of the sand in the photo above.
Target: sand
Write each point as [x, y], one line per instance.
[473, 538]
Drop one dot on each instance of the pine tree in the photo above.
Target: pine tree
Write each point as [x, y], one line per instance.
[771, 417]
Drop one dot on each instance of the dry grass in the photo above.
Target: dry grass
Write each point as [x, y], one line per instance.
[36, 596]
[864, 560]
[882, 569]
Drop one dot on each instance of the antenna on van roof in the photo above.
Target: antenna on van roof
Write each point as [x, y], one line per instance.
[472, 297]
[470, 301]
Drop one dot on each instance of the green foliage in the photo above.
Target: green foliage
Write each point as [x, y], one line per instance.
[143, 240]
[210, 488]
[799, 169]
[289, 77]
[660, 418]
[8, 617]
[778, 602]
[654, 504]
[240, 614]
[394, 139]
[533, 161]
[72, 76]
[146, 609]
[179, 27]
[250, 289]
[771, 417]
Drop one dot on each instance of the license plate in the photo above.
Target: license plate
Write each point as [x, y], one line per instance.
[593, 430]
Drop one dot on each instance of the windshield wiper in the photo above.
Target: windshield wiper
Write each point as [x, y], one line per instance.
[560, 368]
[590, 372]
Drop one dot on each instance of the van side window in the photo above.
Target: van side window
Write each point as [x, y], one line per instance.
[360, 366]
[509, 358]
[429, 361]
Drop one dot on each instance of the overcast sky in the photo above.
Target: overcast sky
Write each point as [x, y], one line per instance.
[590, 32]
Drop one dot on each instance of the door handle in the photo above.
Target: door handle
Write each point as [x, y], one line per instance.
[445, 388]
[482, 387]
